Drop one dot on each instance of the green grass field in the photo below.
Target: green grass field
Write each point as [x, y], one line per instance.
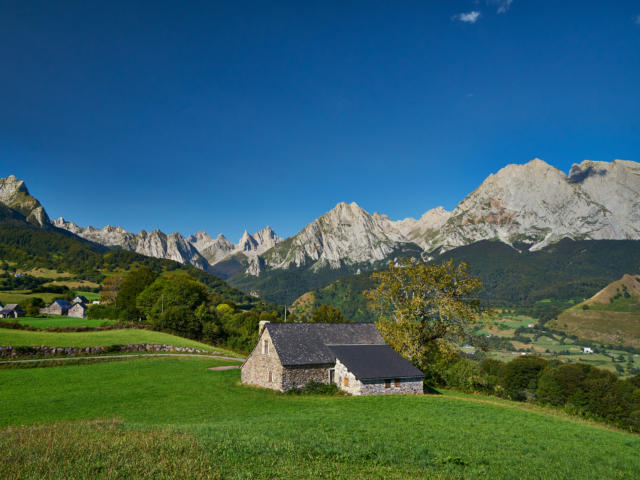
[61, 321]
[177, 419]
[91, 339]
[17, 297]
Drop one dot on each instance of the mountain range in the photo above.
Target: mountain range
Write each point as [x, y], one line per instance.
[527, 206]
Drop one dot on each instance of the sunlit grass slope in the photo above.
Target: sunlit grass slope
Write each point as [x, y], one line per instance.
[242, 432]
[91, 339]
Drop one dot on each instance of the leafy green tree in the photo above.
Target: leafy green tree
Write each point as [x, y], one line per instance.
[132, 285]
[327, 314]
[423, 309]
[179, 319]
[171, 290]
[557, 385]
[520, 375]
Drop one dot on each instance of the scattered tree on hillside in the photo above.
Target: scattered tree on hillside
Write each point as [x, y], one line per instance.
[423, 308]
[110, 288]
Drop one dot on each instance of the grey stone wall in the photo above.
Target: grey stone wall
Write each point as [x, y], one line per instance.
[45, 351]
[411, 386]
[353, 385]
[375, 387]
[77, 311]
[299, 376]
[255, 370]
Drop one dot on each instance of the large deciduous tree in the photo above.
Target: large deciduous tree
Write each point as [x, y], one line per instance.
[423, 309]
[134, 283]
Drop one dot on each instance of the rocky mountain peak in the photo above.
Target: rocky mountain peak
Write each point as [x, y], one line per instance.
[15, 195]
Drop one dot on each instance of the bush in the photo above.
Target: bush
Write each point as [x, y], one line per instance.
[466, 375]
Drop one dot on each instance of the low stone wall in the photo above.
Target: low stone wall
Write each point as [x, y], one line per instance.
[44, 351]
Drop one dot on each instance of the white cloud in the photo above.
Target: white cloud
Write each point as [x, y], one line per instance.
[503, 5]
[468, 17]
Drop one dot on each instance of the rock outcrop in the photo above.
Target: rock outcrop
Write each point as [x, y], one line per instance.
[538, 204]
[15, 195]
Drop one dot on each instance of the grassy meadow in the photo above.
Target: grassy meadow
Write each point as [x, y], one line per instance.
[98, 338]
[175, 418]
[17, 296]
[54, 321]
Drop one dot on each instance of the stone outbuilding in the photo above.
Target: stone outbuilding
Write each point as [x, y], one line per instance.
[79, 310]
[352, 355]
[80, 299]
[58, 307]
[12, 310]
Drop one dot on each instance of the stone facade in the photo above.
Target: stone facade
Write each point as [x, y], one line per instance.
[263, 367]
[78, 311]
[54, 309]
[298, 376]
[348, 382]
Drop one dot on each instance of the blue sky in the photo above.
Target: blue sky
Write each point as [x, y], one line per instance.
[224, 116]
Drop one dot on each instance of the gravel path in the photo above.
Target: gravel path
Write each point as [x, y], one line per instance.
[133, 355]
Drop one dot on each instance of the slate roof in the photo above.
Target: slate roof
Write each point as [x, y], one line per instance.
[374, 362]
[306, 343]
[63, 303]
[10, 308]
[81, 299]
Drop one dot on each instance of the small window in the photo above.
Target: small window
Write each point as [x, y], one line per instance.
[387, 384]
[346, 382]
[265, 347]
[397, 382]
[270, 376]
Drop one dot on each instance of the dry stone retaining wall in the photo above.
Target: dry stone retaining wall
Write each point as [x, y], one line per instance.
[45, 351]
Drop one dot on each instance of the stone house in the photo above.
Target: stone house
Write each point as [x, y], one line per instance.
[79, 310]
[12, 310]
[80, 299]
[58, 307]
[352, 355]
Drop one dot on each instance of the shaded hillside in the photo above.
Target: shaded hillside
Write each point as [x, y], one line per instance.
[283, 286]
[566, 271]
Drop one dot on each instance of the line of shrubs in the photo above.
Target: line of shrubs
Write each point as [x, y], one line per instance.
[578, 388]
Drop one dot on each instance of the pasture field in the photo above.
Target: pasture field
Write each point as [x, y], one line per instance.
[175, 418]
[99, 338]
[601, 325]
[17, 296]
[61, 321]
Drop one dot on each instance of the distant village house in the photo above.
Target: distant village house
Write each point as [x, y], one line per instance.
[12, 310]
[351, 355]
[58, 307]
[77, 309]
